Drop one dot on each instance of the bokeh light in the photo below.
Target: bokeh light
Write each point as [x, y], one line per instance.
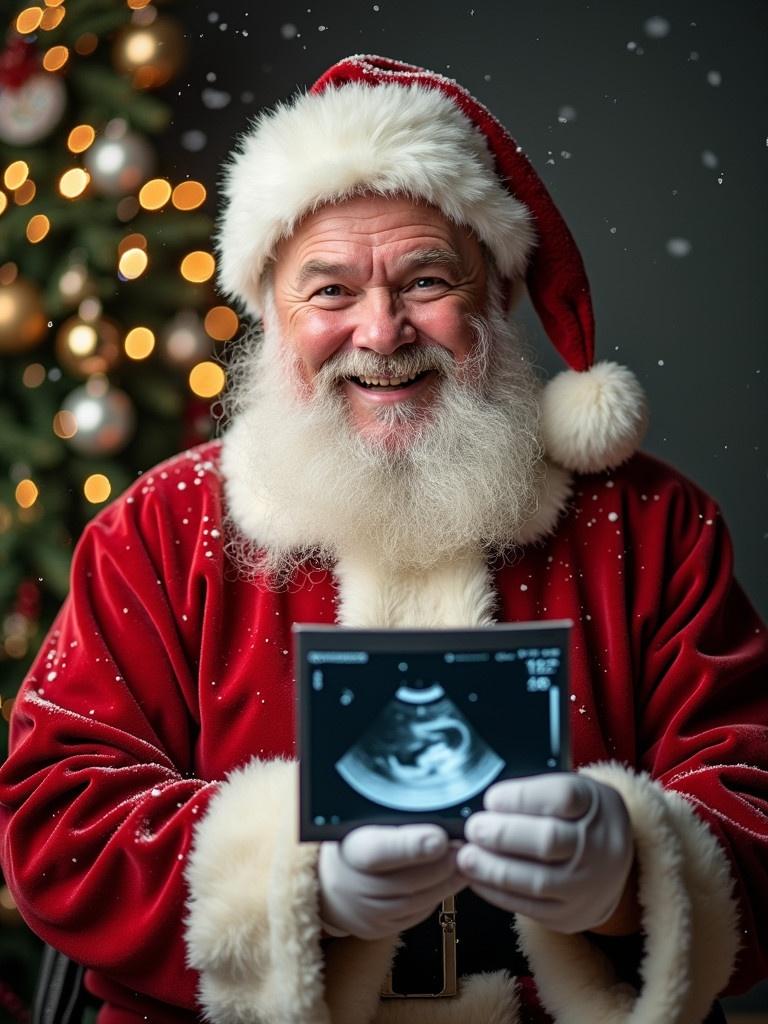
[127, 208]
[139, 343]
[155, 194]
[33, 375]
[132, 241]
[74, 182]
[221, 323]
[24, 195]
[207, 379]
[133, 263]
[52, 18]
[80, 138]
[86, 43]
[189, 195]
[198, 266]
[82, 340]
[26, 493]
[29, 20]
[56, 58]
[97, 488]
[16, 174]
[64, 424]
[37, 228]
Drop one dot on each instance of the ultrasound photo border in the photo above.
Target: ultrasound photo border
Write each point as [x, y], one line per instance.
[311, 637]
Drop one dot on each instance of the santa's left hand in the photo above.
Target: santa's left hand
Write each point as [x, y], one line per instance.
[557, 848]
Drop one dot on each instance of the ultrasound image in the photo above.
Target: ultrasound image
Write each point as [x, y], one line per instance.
[420, 754]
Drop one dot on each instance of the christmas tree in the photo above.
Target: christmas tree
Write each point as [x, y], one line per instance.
[108, 317]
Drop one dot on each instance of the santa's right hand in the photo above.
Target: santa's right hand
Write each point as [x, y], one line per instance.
[380, 880]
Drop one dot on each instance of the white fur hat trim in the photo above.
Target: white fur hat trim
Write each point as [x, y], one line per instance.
[330, 146]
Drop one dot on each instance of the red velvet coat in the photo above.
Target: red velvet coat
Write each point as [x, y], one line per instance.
[165, 671]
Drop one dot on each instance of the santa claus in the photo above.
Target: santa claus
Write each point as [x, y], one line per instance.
[390, 459]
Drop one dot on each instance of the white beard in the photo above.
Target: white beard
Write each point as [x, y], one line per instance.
[422, 488]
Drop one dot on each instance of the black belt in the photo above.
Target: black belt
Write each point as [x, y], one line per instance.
[465, 935]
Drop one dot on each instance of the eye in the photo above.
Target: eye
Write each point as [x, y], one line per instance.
[330, 291]
[427, 284]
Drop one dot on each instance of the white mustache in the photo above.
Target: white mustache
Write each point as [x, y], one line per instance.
[405, 362]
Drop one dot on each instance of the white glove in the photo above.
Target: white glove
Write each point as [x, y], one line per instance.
[557, 848]
[380, 880]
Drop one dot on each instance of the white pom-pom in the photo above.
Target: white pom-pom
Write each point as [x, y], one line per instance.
[594, 420]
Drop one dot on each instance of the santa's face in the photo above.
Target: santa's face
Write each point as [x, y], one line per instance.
[366, 289]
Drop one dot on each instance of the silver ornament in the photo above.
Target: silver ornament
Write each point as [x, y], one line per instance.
[119, 161]
[104, 416]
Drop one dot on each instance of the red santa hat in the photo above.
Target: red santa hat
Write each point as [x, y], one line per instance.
[371, 124]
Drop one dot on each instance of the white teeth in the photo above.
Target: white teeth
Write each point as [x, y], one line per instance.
[391, 382]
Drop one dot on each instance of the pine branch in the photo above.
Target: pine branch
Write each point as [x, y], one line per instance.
[118, 98]
[39, 451]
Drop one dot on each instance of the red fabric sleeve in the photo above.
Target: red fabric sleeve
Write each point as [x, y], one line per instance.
[97, 799]
[704, 704]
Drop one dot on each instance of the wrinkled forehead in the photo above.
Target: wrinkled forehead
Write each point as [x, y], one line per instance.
[400, 224]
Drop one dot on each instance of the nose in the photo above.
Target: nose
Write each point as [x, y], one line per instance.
[382, 324]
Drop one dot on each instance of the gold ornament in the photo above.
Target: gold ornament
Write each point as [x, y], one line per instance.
[150, 55]
[84, 347]
[22, 317]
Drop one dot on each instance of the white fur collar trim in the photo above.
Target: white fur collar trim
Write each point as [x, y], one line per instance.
[457, 593]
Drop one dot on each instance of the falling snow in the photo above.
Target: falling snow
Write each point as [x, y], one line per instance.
[193, 141]
[215, 99]
[678, 247]
[656, 27]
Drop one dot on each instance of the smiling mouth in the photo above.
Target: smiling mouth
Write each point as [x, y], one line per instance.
[385, 383]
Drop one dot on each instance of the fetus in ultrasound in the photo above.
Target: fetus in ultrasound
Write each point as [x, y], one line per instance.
[420, 754]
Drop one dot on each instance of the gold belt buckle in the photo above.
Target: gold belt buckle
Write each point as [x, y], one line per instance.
[447, 921]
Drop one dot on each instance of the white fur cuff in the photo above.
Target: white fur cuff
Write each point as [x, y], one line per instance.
[253, 930]
[689, 920]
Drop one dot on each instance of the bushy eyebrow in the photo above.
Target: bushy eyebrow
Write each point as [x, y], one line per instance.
[321, 268]
[419, 258]
[416, 260]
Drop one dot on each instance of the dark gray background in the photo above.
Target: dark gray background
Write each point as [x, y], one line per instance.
[647, 108]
